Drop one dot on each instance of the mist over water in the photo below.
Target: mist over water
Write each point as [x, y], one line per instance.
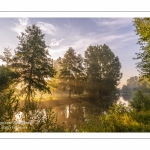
[76, 113]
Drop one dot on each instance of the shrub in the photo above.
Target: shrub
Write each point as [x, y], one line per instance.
[8, 107]
[140, 101]
[117, 119]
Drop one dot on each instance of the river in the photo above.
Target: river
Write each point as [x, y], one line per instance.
[76, 113]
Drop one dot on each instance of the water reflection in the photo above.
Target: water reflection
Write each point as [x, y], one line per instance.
[123, 101]
[126, 97]
[72, 115]
[78, 112]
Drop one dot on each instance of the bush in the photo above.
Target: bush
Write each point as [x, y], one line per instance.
[140, 101]
[43, 120]
[7, 77]
[117, 119]
[8, 107]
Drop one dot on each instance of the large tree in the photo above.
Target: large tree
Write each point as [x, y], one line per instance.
[33, 62]
[142, 29]
[103, 71]
[71, 72]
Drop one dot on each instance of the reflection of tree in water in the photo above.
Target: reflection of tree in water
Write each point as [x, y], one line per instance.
[71, 115]
[104, 103]
[75, 114]
[127, 97]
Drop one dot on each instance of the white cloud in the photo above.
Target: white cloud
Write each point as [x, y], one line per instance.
[113, 23]
[55, 42]
[47, 27]
[116, 42]
[21, 25]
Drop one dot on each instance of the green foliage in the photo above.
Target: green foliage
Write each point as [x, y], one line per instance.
[126, 89]
[40, 120]
[142, 28]
[142, 117]
[131, 85]
[7, 58]
[118, 119]
[132, 82]
[72, 72]
[8, 106]
[144, 84]
[7, 77]
[8, 99]
[140, 101]
[54, 84]
[32, 61]
[103, 71]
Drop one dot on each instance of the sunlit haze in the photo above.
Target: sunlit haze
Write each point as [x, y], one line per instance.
[79, 33]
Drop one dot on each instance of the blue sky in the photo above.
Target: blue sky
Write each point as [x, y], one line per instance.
[79, 33]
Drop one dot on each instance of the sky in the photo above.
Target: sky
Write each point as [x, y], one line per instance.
[79, 33]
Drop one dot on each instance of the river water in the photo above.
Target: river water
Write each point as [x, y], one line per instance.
[76, 113]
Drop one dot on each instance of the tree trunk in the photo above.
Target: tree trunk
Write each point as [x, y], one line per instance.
[29, 92]
[69, 93]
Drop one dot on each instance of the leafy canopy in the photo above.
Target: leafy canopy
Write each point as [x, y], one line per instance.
[142, 29]
[72, 72]
[32, 61]
[103, 70]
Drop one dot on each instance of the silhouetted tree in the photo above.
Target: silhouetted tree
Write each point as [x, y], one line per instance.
[126, 89]
[33, 62]
[103, 71]
[71, 72]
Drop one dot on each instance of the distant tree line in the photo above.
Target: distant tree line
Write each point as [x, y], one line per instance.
[136, 83]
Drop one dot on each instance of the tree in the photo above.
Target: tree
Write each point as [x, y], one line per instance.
[132, 82]
[33, 62]
[80, 76]
[71, 72]
[132, 85]
[144, 85]
[7, 77]
[142, 29]
[8, 97]
[7, 56]
[126, 89]
[140, 101]
[103, 71]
